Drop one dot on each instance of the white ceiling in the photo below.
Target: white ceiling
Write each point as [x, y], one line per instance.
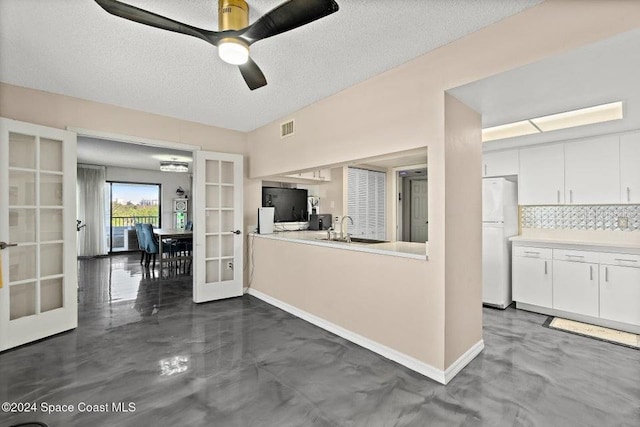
[75, 48]
[94, 151]
[602, 72]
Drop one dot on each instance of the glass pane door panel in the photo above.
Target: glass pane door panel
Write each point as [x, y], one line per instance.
[22, 225]
[51, 259]
[213, 247]
[212, 221]
[213, 196]
[226, 247]
[50, 189]
[226, 197]
[212, 173]
[22, 151]
[23, 300]
[50, 155]
[51, 294]
[50, 224]
[213, 271]
[227, 221]
[226, 173]
[22, 188]
[22, 263]
[227, 269]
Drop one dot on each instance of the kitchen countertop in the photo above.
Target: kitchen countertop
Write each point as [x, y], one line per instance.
[399, 249]
[595, 244]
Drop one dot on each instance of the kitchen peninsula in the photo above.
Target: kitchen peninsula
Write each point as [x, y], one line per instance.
[320, 238]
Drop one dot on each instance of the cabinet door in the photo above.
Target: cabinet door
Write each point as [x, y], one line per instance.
[532, 281]
[575, 287]
[592, 171]
[500, 163]
[620, 294]
[630, 168]
[541, 178]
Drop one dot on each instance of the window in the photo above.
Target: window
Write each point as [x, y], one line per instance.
[367, 203]
[130, 203]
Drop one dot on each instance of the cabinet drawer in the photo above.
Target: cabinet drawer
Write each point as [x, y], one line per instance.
[576, 256]
[625, 260]
[531, 252]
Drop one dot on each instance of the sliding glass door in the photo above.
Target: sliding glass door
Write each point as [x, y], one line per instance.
[131, 203]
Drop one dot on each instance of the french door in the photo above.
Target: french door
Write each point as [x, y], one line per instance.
[217, 226]
[38, 282]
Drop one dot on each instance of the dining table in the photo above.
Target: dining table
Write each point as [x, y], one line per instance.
[175, 234]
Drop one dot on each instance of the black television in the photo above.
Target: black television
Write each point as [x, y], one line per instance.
[290, 203]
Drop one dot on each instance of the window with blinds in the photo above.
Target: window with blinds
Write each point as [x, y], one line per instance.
[367, 203]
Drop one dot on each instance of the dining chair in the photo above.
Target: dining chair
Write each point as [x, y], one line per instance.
[141, 243]
[151, 244]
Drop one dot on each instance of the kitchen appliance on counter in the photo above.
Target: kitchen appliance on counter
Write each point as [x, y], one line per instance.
[499, 223]
[320, 222]
[265, 220]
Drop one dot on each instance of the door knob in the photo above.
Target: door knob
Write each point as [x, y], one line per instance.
[4, 245]
[237, 232]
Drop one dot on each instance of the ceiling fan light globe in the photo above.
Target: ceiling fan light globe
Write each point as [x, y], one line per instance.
[233, 52]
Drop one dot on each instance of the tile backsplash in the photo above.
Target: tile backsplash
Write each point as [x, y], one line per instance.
[583, 217]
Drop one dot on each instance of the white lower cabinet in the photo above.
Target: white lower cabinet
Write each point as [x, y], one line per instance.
[598, 287]
[532, 280]
[575, 287]
[620, 293]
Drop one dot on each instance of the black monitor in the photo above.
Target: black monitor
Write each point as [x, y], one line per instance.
[290, 203]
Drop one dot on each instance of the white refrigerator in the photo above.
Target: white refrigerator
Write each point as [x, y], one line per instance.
[499, 223]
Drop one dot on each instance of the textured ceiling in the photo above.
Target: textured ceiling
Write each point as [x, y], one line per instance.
[599, 73]
[73, 47]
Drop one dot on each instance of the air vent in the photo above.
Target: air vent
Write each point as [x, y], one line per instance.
[286, 129]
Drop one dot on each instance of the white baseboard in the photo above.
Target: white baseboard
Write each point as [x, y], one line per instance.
[463, 361]
[414, 364]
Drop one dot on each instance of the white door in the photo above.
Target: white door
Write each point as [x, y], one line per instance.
[38, 283]
[419, 215]
[493, 199]
[629, 170]
[620, 294]
[533, 280]
[541, 178]
[592, 171]
[217, 226]
[500, 163]
[494, 267]
[575, 287]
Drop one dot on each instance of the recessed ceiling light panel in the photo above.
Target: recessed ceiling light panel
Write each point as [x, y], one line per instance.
[584, 116]
[581, 117]
[509, 130]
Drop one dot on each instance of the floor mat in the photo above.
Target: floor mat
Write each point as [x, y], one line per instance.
[592, 331]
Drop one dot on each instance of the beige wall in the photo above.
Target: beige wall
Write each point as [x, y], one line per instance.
[403, 109]
[383, 298]
[463, 229]
[59, 111]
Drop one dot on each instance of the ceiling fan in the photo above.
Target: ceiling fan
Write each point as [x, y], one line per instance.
[235, 35]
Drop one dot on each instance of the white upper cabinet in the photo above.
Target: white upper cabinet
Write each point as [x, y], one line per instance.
[592, 171]
[500, 163]
[630, 168]
[541, 177]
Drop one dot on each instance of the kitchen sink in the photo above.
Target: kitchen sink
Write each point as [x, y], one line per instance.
[354, 240]
[363, 240]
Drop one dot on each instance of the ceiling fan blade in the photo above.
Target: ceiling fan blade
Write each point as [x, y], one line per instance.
[252, 75]
[142, 16]
[289, 15]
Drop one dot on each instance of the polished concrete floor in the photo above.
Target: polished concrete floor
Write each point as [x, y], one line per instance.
[241, 362]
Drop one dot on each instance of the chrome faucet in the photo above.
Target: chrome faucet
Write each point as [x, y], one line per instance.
[342, 228]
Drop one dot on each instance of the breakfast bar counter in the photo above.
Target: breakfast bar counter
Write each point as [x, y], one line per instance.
[320, 238]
